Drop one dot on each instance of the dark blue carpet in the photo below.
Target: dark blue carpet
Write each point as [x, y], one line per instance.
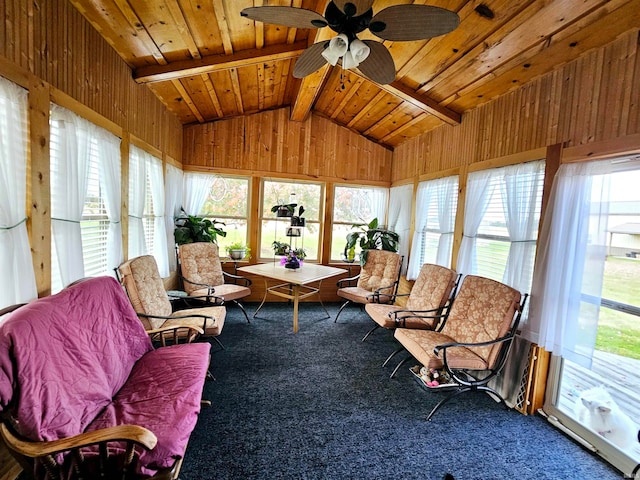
[318, 405]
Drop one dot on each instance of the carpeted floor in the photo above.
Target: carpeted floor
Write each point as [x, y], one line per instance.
[318, 405]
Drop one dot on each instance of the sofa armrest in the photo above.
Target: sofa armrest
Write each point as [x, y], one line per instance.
[46, 452]
[175, 333]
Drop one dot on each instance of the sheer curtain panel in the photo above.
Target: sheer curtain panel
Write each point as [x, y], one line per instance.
[70, 137]
[400, 199]
[197, 187]
[477, 200]
[110, 182]
[15, 252]
[137, 196]
[156, 181]
[567, 282]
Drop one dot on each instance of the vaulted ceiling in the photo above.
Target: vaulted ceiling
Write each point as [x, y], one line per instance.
[205, 62]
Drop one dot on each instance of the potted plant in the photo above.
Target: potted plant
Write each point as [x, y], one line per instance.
[298, 220]
[284, 209]
[238, 251]
[370, 236]
[280, 248]
[191, 229]
[294, 258]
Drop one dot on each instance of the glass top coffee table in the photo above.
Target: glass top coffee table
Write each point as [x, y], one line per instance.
[296, 286]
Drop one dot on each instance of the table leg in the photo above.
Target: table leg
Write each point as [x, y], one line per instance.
[296, 294]
[266, 286]
[320, 298]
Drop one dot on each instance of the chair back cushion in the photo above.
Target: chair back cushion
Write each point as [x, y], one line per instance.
[482, 311]
[200, 263]
[141, 279]
[64, 357]
[381, 269]
[432, 288]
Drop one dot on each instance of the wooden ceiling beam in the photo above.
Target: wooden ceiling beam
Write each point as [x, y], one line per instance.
[217, 63]
[221, 18]
[182, 26]
[424, 103]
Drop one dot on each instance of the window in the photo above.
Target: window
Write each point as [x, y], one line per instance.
[586, 308]
[436, 205]
[85, 199]
[147, 232]
[307, 194]
[501, 223]
[355, 205]
[228, 202]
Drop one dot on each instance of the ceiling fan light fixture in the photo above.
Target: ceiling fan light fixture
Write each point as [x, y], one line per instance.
[359, 51]
[377, 26]
[338, 46]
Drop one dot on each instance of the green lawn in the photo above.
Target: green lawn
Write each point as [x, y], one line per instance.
[619, 332]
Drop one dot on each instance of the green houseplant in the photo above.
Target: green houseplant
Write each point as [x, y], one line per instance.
[370, 236]
[280, 248]
[284, 209]
[238, 251]
[191, 229]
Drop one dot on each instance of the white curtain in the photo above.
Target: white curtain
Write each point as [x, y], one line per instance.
[567, 282]
[110, 182]
[423, 199]
[173, 195]
[520, 204]
[379, 199]
[400, 199]
[137, 195]
[156, 180]
[15, 253]
[69, 175]
[476, 203]
[197, 187]
[447, 195]
[436, 196]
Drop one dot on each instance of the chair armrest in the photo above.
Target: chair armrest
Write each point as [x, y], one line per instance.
[444, 346]
[348, 282]
[377, 293]
[237, 279]
[400, 316]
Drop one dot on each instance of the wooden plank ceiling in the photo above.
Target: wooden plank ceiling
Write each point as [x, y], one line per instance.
[206, 62]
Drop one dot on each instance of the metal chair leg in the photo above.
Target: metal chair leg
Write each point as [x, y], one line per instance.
[399, 365]
[370, 332]
[243, 310]
[340, 311]
[218, 342]
[393, 354]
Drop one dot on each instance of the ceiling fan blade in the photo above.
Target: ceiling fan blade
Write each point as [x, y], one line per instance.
[401, 23]
[360, 6]
[288, 16]
[310, 60]
[378, 66]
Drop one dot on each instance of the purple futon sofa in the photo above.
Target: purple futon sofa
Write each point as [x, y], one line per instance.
[79, 362]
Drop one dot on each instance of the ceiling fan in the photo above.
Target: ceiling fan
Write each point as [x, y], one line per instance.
[347, 19]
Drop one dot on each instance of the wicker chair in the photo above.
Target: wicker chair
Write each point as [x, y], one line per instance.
[377, 281]
[201, 273]
[427, 303]
[474, 342]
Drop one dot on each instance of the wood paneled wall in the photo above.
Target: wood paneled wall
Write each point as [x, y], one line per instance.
[594, 99]
[52, 41]
[269, 143]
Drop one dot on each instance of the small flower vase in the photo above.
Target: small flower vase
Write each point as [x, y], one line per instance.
[292, 263]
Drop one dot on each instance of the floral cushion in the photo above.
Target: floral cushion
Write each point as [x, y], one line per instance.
[482, 311]
[200, 264]
[432, 288]
[145, 288]
[381, 269]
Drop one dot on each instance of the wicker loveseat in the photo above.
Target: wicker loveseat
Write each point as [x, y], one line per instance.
[82, 388]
